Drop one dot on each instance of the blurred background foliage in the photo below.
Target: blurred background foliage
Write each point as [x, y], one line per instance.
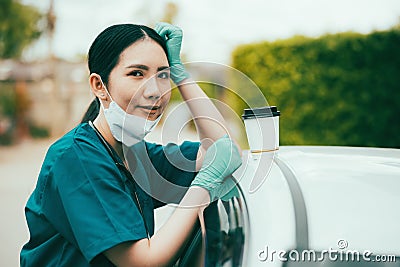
[8, 110]
[339, 89]
[20, 25]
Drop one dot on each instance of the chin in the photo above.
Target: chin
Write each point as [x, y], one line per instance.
[153, 117]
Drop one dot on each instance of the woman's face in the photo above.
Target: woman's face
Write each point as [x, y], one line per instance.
[139, 83]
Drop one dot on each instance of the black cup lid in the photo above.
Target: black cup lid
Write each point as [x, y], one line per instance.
[262, 112]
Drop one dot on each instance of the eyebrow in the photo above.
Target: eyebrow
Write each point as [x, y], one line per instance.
[144, 67]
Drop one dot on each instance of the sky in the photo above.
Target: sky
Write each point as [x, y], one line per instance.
[213, 28]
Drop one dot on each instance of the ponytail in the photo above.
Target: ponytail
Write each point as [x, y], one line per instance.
[92, 112]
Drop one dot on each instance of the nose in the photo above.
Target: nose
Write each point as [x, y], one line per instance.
[151, 90]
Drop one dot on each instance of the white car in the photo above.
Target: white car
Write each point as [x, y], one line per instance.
[307, 206]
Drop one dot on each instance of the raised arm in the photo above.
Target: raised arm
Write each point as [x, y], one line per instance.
[209, 122]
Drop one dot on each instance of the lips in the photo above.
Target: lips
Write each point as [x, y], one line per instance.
[151, 110]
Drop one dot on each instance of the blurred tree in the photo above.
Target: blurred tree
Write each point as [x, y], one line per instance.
[19, 27]
[50, 27]
[171, 11]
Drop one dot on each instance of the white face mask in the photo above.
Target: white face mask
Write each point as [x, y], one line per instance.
[127, 128]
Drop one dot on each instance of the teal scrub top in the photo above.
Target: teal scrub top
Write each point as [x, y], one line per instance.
[84, 201]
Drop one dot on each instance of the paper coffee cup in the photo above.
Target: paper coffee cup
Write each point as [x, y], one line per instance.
[262, 128]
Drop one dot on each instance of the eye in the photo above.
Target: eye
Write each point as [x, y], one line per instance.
[163, 75]
[136, 73]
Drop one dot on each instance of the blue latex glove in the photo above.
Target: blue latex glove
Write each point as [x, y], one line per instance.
[173, 36]
[221, 160]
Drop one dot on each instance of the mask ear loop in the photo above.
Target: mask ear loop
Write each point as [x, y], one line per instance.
[105, 88]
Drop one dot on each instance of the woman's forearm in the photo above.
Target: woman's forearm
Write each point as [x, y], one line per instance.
[163, 247]
[208, 120]
[175, 232]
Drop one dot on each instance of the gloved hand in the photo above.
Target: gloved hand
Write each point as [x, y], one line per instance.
[221, 160]
[227, 189]
[173, 36]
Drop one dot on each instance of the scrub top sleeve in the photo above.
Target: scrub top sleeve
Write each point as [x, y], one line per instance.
[175, 163]
[99, 207]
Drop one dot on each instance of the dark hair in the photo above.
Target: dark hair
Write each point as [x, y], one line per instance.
[105, 51]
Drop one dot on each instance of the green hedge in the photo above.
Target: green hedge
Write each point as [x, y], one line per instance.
[341, 89]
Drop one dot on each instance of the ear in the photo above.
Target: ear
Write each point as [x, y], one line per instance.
[97, 87]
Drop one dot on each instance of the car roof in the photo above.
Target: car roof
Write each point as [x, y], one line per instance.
[350, 193]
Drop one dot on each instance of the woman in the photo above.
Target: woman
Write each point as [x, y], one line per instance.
[93, 204]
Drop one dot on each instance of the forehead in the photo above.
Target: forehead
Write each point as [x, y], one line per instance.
[146, 52]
